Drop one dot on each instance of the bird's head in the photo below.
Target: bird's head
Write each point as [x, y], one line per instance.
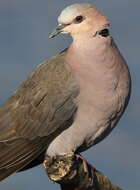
[79, 20]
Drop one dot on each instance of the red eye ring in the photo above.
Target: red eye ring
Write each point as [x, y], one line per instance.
[78, 19]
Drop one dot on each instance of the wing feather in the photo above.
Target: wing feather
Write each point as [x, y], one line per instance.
[41, 108]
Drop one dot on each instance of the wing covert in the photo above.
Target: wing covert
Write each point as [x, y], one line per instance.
[41, 108]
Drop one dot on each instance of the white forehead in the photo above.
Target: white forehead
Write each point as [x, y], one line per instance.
[70, 12]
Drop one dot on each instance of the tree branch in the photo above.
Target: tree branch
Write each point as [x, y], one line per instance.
[73, 172]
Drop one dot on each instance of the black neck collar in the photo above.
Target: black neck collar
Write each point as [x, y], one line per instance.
[104, 32]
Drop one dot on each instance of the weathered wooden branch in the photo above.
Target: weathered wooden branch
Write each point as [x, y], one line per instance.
[73, 172]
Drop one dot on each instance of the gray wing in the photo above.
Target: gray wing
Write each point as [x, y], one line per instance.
[42, 107]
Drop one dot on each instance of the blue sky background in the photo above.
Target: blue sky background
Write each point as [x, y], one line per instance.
[24, 29]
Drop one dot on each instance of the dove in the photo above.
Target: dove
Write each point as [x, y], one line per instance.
[70, 102]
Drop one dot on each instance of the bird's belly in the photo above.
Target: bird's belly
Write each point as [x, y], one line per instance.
[98, 119]
[94, 138]
[96, 116]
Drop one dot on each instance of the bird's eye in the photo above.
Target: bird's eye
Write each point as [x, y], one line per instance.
[78, 19]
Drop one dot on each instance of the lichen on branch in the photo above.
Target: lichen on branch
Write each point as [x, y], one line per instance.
[73, 172]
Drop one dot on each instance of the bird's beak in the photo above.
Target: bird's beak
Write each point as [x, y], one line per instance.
[58, 30]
